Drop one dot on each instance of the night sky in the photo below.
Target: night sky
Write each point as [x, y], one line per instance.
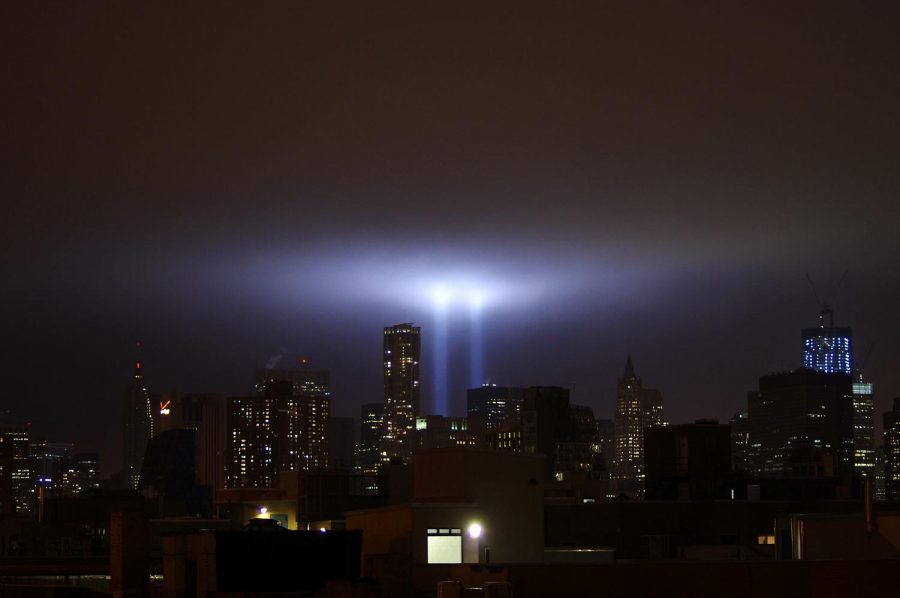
[230, 183]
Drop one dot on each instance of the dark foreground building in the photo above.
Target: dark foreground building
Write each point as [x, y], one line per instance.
[688, 461]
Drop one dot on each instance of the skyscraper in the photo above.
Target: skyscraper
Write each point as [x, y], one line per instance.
[371, 428]
[863, 426]
[547, 422]
[48, 461]
[827, 348]
[137, 428]
[401, 390]
[82, 473]
[16, 470]
[342, 443]
[250, 442]
[801, 417]
[205, 413]
[637, 408]
[303, 380]
[495, 404]
[301, 424]
[892, 452]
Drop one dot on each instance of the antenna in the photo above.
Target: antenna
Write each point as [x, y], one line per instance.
[812, 285]
[868, 355]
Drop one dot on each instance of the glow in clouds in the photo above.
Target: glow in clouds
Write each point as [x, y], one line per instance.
[445, 296]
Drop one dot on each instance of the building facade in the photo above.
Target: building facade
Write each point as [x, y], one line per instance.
[371, 428]
[637, 408]
[801, 425]
[863, 426]
[495, 405]
[892, 452]
[688, 461]
[137, 428]
[206, 415]
[250, 457]
[402, 350]
[827, 348]
[439, 432]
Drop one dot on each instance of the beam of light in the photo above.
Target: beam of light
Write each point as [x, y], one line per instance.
[441, 298]
[476, 340]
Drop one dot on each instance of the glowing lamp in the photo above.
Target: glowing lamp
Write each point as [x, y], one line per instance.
[475, 530]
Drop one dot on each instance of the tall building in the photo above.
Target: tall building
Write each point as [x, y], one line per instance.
[250, 442]
[892, 452]
[652, 408]
[371, 428]
[48, 461]
[740, 442]
[342, 443]
[799, 418]
[606, 441]
[438, 432]
[206, 414]
[863, 426]
[580, 455]
[82, 473]
[137, 428]
[880, 479]
[494, 404]
[301, 425]
[17, 487]
[827, 348]
[303, 381]
[401, 390]
[547, 421]
[637, 408]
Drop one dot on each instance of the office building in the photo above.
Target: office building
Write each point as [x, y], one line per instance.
[863, 426]
[439, 432]
[891, 420]
[580, 456]
[546, 421]
[303, 380]
[81, 473]
[401, 355]
[606, 433]
[371, 428]
[740, 442]
[688, 461]
[342, 443]
[17, 487]
[801, 425]
[880, 480]
[48, 461]
[137, 428]
[495, 405]
[652, 408]
[301, 425]
[250, 457]
[206, 415]
[827, 348]
[637, 408]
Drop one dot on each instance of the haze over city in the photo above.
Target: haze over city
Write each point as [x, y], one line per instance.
[224, 187]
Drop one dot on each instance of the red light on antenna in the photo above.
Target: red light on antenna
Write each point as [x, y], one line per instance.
[137, 365]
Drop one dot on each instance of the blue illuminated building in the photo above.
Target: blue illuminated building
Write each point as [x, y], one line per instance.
[828, 348]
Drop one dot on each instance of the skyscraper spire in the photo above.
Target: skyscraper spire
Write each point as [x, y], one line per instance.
[137, 428]
[629, 369]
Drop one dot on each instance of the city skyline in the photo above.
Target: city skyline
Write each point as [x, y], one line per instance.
[613, 178]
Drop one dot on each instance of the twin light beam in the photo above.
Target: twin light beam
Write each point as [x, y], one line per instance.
[443, 298]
